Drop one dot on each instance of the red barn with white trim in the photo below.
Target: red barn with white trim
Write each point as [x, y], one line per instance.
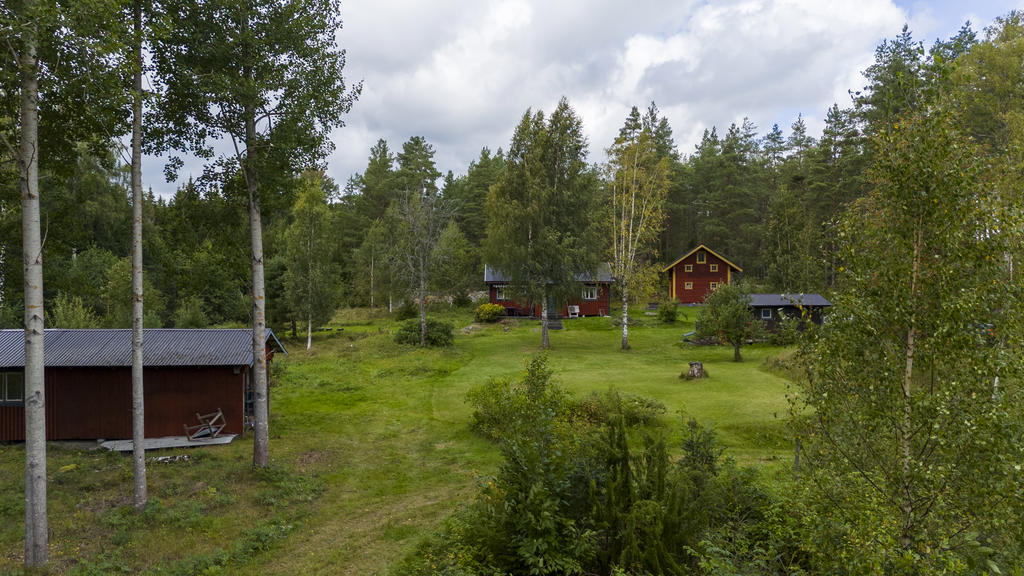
[697, 273]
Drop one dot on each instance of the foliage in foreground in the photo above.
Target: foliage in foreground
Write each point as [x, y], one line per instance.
[914, 384]
[574, 497]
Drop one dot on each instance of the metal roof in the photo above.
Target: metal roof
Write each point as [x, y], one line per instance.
[604, 274]
[113, 348]
[781, 300]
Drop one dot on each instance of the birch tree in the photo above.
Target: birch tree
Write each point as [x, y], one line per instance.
[309, 276]
[139, 492]
[913, 440]
[638, 185]
[36, 531]
[57, 60]
[267, 76]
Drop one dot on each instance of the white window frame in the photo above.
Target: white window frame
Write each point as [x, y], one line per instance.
[501, 292]
[590, 292]
[769, 311]
[5, 397]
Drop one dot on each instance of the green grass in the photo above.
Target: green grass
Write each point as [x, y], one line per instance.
[371, 449]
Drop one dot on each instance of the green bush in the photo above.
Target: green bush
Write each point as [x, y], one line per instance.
[488, 312]
[668, 311]
[438, 333]
[501, 406]
[601, 407]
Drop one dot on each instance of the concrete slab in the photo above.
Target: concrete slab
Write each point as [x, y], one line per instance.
[167, 442]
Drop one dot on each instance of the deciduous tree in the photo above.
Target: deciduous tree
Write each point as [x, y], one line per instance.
[727, 316]
[268, 76]
[913, 435]
[541, 215]
[637, 178]
[310, 278]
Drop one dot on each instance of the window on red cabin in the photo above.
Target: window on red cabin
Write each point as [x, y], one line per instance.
[701, 257]
[714, 267]
[714, 285]
[12, 388]
[688, 267]
[689, 285]
[590, 292]
[500, 292]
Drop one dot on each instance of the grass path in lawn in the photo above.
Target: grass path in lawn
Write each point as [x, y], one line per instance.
[387, 427]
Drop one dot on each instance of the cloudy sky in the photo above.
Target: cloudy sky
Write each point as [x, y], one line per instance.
[461, 73]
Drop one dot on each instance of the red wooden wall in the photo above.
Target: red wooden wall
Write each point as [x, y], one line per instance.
[599, 307]
[90, 403]
[701, 277]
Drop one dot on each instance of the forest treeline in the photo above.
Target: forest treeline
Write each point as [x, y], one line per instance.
[769, 200]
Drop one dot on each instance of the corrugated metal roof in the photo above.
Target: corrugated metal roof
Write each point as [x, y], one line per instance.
[109, 348]
[604, 274]
[780, 300]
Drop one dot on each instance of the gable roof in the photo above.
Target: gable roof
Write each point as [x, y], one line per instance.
[783, 300]
[113, 348]
[700, 246]
[604, 274]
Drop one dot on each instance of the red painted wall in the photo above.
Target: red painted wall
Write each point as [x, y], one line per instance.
[599, 307]
[90, 403]
[701, 276]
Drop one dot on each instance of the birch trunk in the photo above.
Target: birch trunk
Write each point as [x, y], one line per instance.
[625, 319]
[139, 495]
[423, 305]
[36, 533]
[261, 412]
[544, 342]
[906, 499]
[309, 332]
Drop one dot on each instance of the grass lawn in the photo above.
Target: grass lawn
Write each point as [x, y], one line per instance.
[371, 449]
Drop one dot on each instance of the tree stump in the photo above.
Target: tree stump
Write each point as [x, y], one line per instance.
[696, 370]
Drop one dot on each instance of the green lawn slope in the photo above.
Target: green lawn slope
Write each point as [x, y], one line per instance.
[371, 449]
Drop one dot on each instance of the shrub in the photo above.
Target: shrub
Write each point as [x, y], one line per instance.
[438, 333]
[501, 406]
[488, 312]
[668, 311]
[601, 407]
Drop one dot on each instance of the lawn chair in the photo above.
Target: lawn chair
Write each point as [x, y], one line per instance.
[210, 425]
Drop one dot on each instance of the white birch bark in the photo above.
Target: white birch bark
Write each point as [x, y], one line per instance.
[36, 533]
[544, 342]
[139, 492]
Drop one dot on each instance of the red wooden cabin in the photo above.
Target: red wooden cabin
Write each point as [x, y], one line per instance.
[88, 381]
[594, 300]
[695, 274]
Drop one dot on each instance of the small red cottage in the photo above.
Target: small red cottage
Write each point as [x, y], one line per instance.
[695, 274]
[88, 381]
[595, 296]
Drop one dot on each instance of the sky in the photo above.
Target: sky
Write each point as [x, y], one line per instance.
[462, 73]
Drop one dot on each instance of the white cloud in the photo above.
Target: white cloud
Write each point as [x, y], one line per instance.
[461, 73]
